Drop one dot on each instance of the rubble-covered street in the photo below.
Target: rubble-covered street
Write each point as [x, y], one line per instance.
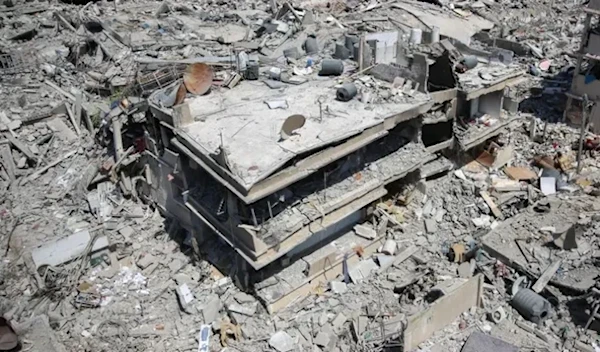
[314, 176]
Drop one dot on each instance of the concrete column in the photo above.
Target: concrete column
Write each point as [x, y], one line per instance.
[474, 107]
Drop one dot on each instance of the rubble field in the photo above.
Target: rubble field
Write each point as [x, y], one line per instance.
[314, 176]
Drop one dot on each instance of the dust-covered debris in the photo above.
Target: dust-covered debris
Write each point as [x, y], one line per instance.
[110, 244]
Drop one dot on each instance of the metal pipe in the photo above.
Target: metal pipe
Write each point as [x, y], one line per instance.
[270, 210]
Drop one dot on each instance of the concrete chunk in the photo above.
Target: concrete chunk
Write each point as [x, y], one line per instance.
[249, 309]
[362, 270]
[146, 261]
[430, 225]
[360, 325]
[282, 342]
[365, 231]
[479, 342]
[339, 321]
[185, 296]
[127, 232]
[66, 249]
[210, 309]
[338, 287]
[325, 340]
[242, 297]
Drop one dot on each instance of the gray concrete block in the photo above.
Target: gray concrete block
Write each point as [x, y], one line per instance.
[430, 225]
[210, 309]
[510, 104]
[325, 340]
[365, 231]
[338, 287]
[478, 342]
[282, 342]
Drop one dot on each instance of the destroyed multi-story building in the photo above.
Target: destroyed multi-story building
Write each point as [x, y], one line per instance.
[267, 176]
[301, 150]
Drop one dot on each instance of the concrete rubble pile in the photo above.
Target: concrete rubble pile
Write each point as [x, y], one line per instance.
[299, 176]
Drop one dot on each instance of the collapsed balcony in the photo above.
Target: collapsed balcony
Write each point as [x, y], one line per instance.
[267, 230]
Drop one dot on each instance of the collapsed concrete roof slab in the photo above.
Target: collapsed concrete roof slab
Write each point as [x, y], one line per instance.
[487, 78]
[249, 131]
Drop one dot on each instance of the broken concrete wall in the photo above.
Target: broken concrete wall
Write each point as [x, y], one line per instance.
[518, 48]
[385, 47]
[443, 312]
[168, 189]
[418, 72]
[491, 103]
[328, 234]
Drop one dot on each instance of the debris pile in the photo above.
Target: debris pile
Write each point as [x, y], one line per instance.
[348, 176]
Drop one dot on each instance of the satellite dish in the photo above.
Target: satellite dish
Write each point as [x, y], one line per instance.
[291, 124]
[198, 78]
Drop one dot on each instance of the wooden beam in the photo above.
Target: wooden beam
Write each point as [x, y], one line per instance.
[490, 202]
[546, 276]
[22, 147]
[7, 160]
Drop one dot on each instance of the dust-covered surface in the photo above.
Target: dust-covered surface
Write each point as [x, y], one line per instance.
[65, 70]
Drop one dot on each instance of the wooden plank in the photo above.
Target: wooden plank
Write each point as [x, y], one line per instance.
[78, 107]
[402, 256]
[7, 161]
[520, 173]
[493, 207]
[23, 148]
[49, 166]
[546, 276]
[443, 312]
[60, 90]
[73, 120]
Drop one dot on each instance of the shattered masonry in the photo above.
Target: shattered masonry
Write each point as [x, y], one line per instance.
[311, 176]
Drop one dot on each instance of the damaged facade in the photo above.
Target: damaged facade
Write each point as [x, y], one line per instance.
[225, 165]
[351, 176]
